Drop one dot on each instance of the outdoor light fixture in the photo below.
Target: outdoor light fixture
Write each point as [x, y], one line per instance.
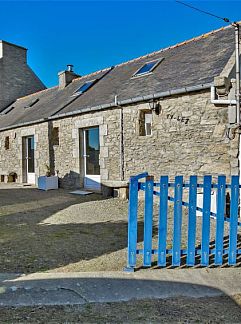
[155, 106]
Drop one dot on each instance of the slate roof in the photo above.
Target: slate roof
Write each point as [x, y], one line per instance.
[191, 63]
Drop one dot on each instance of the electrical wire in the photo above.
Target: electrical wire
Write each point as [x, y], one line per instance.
[203, 11]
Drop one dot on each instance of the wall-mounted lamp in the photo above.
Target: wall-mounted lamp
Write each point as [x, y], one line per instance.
[155, 106]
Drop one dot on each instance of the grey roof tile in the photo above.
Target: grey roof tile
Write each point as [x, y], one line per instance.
[191, 63]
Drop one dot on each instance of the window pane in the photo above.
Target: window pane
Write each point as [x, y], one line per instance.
[148, 129]
[84, 87]
[146, 68]
[148, 118]
[92, 151]
[148, 123]
[30, 143]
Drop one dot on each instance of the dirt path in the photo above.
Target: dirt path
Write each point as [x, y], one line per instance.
[59, 232]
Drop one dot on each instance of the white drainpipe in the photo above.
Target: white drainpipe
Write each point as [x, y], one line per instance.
[220, 101]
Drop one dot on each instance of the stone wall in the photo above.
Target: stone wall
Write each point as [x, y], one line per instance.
[11, 160]
[188, 137]
[16, 77]
[68, 154]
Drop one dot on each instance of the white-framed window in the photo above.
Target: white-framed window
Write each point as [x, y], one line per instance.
[145, 123]
[147, 68]
[148, 124]
[84, 87]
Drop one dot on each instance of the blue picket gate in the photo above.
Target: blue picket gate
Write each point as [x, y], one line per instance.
[191, 252]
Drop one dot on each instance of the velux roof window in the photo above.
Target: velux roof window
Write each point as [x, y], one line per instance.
[84, 87]
[147, 68]
[7, 110]
[32, 103]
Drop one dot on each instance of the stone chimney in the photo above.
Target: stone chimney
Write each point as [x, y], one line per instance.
[67, 76]
[17, 78]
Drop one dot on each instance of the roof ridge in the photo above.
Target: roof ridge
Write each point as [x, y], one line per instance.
[92, 74]
[32, 94]
[158, 51]
[176, 45]
[196, 38]
[12, 44]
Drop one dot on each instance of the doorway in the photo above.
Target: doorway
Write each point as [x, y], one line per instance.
[91, 152]
[28, 160]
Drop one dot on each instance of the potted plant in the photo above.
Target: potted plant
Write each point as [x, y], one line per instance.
[48, 181]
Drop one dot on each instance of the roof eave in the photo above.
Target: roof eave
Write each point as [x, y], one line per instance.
[157, 95]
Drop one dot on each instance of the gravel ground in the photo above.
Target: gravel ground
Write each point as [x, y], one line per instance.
[59, 232]
[178, 310]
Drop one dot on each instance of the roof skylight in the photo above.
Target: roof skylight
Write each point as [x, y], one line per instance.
[147, 68]
[84, 87]
[7, 110]
[32, 103]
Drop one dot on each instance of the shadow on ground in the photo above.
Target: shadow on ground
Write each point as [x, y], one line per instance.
[28, 244]
[102, 300]
[197, 265]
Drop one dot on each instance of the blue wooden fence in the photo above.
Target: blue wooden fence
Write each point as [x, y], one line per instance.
[162, 190]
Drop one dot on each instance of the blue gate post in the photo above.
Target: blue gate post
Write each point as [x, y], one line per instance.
[148, 221]
[132, 224]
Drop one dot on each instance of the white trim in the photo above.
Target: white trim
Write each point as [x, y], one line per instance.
[90, 181]
[31, 178]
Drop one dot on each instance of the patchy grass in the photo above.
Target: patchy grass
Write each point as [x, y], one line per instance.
[221, 309]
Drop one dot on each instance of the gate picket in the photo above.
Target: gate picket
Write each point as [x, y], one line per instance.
[192, 221]
[148, 213]
[177, 226]
[162, 232]
[206, 220]
[220, 220]
[132, 222]
[176, 251]
[233, 229]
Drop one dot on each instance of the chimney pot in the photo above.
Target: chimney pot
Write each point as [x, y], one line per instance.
[70, 67]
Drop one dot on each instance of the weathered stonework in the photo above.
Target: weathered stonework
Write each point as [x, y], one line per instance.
[11, 160]
[69, 154]
[16, 77]
[188, 137]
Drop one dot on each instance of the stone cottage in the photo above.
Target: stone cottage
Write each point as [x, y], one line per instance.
[166, 112]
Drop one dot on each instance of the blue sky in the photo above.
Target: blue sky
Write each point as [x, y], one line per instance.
[96, 34]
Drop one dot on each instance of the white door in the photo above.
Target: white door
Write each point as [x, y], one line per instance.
[30, 165]
[91, 158]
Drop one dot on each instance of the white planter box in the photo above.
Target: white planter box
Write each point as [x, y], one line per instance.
[47, 183]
